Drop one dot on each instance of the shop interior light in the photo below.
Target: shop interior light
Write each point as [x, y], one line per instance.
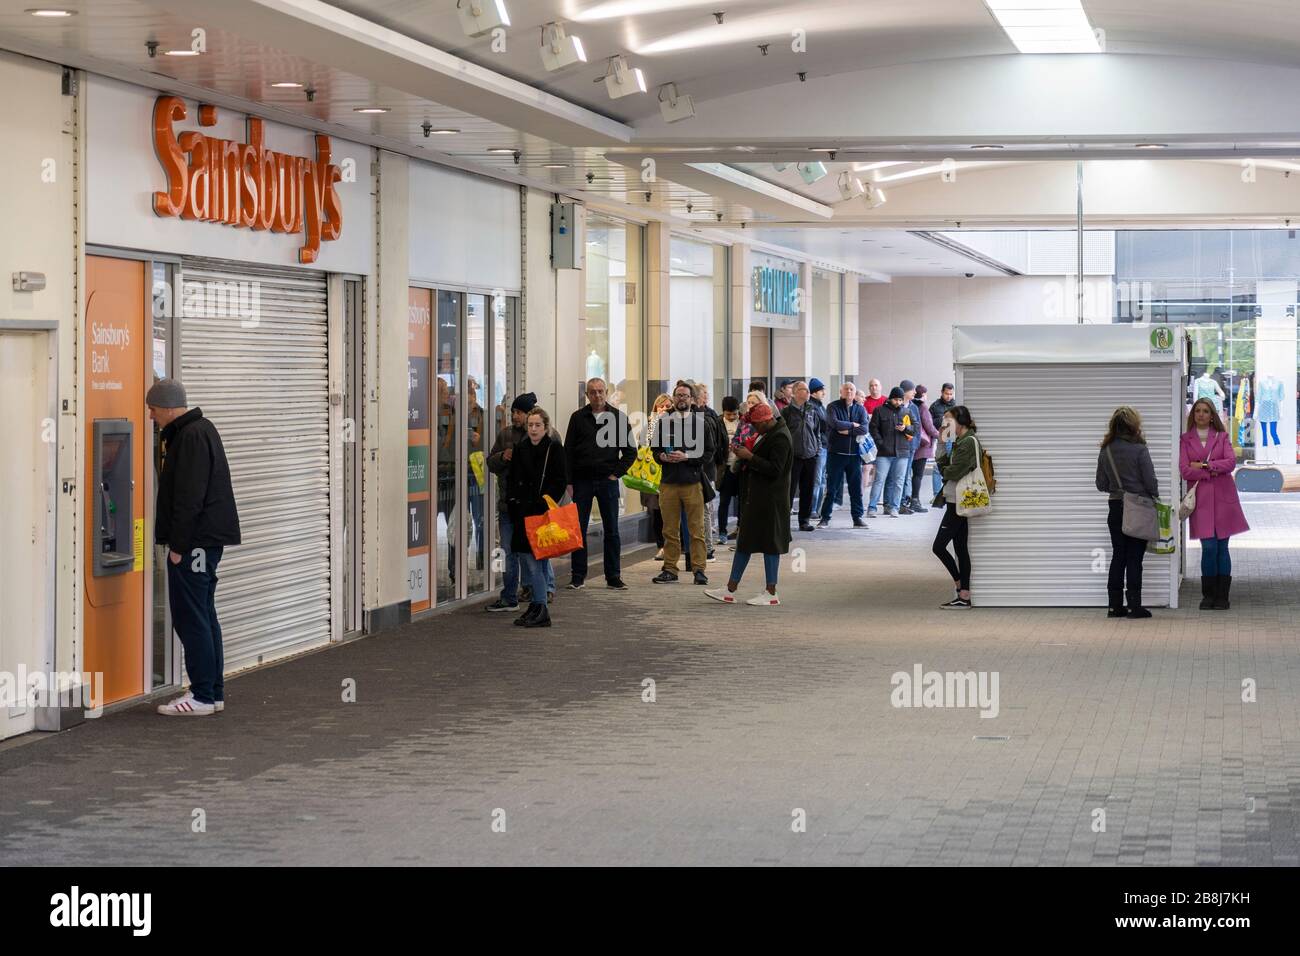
[811, 172]
[480, 17]
[850, 186]
[674, 107]
[622, 80]
[1045, 26]
[559, 49]
[52, 13]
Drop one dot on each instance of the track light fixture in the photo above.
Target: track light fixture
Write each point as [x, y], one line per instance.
[559, 49]
[674, 107]
[620, 79]
[811, 172]
[480, 17]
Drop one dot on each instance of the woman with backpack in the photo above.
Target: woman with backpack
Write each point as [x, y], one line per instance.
[1124, 465]
[958, 428]
[1206, 461]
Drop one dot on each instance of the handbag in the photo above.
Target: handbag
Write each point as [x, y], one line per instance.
[555, 533]
[645, 473]
[706, 487]
[973, 490]
[1140, 518]
[866, 449]
[1188, 503]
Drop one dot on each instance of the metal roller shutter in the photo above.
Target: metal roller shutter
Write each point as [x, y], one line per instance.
[1045, 542]
[266, 387]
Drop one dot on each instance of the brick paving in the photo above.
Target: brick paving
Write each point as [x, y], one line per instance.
[758, 713]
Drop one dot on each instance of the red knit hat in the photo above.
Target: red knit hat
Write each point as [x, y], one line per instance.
[760, 412]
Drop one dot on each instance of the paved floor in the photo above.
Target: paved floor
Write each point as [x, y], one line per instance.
[462, 720]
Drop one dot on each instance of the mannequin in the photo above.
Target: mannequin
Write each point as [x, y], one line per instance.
[1207, 387]
[1269, 408]
[595, 365]
[1243, 410]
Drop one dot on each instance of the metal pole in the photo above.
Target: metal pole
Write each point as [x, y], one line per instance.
[1078, 190]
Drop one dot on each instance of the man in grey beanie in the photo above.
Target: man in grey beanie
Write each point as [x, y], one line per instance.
[196, 518]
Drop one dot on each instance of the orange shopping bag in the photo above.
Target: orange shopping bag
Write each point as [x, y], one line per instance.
[554, 533]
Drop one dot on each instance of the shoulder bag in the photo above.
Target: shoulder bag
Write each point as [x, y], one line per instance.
[1188, 504]
[1140, 519]
[973, 490]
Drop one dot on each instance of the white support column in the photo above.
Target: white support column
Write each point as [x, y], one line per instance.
[849, 355]
[742, 314]
[658, 271]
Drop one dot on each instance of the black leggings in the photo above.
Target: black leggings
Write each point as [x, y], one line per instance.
[1126, 556]
[954, 528]
[918, 473]
[657, 522]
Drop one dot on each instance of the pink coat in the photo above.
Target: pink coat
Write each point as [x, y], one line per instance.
[1218, 511]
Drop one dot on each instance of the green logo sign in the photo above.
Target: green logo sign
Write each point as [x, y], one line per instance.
[417, 469]
[1162, 338]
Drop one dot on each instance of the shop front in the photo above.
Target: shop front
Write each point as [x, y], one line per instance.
[232, 254]
[463, 371]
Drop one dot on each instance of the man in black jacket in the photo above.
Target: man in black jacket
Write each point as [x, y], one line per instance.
[712, 467]
[893, 452]
[682, 442]
[945, 403]
[806, 425]
[599, 448]
[196, 518]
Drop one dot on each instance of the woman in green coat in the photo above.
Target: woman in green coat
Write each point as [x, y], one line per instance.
[764, 506]
[958, 428]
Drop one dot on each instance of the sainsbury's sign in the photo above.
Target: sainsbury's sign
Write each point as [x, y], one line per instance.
[245, 185]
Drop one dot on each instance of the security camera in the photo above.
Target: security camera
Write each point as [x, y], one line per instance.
[969, 275]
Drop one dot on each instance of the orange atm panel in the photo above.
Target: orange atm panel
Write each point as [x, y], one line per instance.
[114, 358]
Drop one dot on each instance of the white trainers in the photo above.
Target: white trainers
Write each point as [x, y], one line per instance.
[763, 599]
[186, 706]
[722, 594]
[220, 706]
[659, 555]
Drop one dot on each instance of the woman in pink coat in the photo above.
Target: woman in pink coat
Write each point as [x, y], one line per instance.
[1206, 459]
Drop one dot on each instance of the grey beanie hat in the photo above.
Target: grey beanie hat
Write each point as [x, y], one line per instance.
[166, 393]
[906, 385]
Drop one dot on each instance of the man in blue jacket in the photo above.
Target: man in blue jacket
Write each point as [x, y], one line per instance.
[846, 422]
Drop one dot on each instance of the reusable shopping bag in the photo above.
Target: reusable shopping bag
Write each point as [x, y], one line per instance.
[645, 473]
[555, 533]
[1165, 520]
[973, 489]
[476, 465]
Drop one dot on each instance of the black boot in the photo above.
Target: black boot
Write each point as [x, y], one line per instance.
[1209, 588]
[1116, 601]
[541, 619]
[1221, 593]
[1135, 608]
[523, 619]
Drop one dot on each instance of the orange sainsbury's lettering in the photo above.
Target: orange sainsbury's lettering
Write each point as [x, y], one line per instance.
[246, 185]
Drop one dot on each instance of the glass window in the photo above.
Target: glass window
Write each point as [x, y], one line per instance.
[827, 331]
[697, 318]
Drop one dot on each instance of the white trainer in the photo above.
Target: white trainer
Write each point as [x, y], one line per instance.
[763, 599]
[186, 706]
[722, 594]
[220, 706]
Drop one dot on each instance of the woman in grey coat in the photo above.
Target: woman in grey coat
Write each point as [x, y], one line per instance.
[1124, 455]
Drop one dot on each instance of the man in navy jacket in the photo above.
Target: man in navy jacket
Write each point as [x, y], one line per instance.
[846, 423]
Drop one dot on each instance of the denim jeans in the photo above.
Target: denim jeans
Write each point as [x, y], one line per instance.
[907, 477]
[1215, 559]
[510, 574]
[819, 483]
[839, 469]
[889, 480]
[535, 574]
[937, 478]
[771, 562]
[605, 493]
[191, 592]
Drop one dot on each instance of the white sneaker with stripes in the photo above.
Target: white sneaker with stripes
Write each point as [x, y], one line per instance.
[186, 706]
[763, 599]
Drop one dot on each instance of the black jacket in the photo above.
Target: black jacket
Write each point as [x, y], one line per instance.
[806, 427]
[597, 449]
[821, 412]
[534, 471]
[720, 444]
[196, 503]
[508, 437]
[765, 502]
[939, 408]
[692, 435]
[891, 443]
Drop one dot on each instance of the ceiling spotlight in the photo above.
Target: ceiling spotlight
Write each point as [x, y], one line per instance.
[287, 85]
[370, 109]
[480, 17]
[874, 196]
[673, 107]
[621, 79]
[803, 76]
[310, 93]
[560, 50]
[427, 127]
[718, 15]
[811, 172]
[850, 186]
[780, 167]
[762, 48]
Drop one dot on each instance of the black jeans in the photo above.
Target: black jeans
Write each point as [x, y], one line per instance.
[192, 592]
[728, 492]
[1126, 556]
[657, 522]
[803, 475]
[918, 472]
[605, 493]
[954, 528]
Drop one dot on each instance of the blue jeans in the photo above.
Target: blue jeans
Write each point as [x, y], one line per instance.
[192, 596]
[839, 469]
[771, 562]
[819, 483]
[535, 574]
[889, 480]
[937, 478]
[1215, 559]
[510, 576]
[605, 493]
[907, 477]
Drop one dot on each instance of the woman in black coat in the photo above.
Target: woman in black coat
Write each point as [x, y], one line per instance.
[764, 506]
[536, 469]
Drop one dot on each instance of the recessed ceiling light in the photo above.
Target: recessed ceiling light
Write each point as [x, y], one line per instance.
[987, 146]
[555, 165]
[287, 85]
[50, 12]
[1152, 145]
[181, 53]
[501, 150]
[823, 149]
[370, 109]
[444, 131]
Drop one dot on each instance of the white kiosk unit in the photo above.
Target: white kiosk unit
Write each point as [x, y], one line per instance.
[1041, 397]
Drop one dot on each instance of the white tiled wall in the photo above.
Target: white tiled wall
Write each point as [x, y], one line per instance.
[906, 325]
